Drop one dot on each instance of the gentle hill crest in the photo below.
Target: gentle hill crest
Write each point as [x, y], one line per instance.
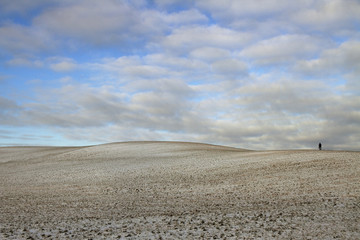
[115, 150]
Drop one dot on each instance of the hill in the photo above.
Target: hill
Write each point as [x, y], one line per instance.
[178, 190]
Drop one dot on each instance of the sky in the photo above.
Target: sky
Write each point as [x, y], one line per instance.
[265, 74]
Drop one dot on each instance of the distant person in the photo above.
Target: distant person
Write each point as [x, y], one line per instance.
[319, 146]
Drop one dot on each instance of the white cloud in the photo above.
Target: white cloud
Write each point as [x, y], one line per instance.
[230, 9]
[284, 113]
[153, 66]
[330, 15]
[345, 58]
[230, 67]
[175, 87]
[284, 49]
[210, 53]
[290, 96]
[185, 17]
[62, 64]
[179, 64]
[144, 71]
[186, 39]
[114, 64]
[132, 67]
[268, 18]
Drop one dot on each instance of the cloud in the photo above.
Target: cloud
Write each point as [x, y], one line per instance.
[230, 67]
[330, 15]
[287, 96]
[261, 75]
[73, 110]
[21, 61]
[269, 18]
[232, 9]
[9, 111]
[152, 66]
[190, 16]
[159, 101]
[117, 23]
[160, 105]
[17, 39]
[144, 71]
[186, 39]
[174, 4]
[130, 68]
[178, 65]
[345, 58]
[108, 22]
[286, 112]
[210, 53]
[63, 64]
[175, 87]
[21, 6]
[284, 49]
[7, 105]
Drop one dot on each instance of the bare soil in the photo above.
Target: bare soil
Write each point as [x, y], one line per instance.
[175, 190]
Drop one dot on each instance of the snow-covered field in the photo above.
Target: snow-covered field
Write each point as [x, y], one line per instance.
[173, 190]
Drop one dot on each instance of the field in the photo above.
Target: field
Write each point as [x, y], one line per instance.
[177, 190]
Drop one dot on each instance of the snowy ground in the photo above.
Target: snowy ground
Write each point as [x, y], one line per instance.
[169, 190]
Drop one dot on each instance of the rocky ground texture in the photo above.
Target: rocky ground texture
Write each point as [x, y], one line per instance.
[173, 190]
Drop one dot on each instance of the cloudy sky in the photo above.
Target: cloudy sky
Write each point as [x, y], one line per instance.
[265, 74]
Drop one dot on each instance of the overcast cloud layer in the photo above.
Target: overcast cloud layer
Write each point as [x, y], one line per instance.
[267, 74]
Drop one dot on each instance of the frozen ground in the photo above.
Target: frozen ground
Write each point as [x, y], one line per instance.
[169, 190]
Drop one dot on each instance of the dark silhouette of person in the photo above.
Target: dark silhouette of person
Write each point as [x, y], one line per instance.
[319, 146]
